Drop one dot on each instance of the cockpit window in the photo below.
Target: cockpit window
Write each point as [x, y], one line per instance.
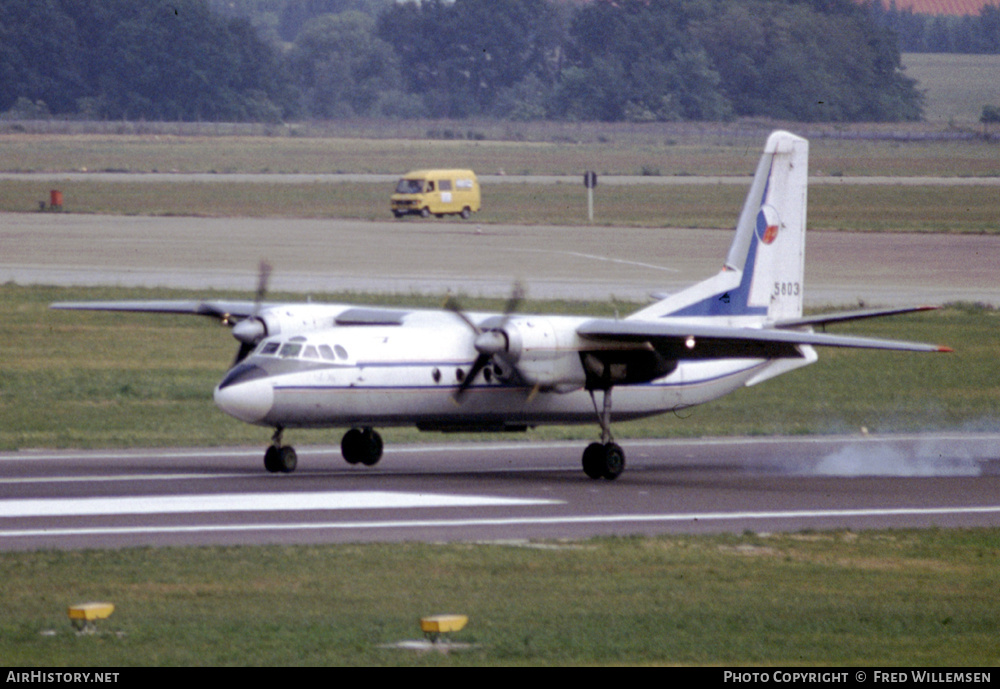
[341, 352]
[310, 352]
[269, 348]
[290, 350]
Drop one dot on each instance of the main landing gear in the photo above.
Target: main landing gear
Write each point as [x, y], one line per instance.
[359, 446]
[362, 446]
[605, 459]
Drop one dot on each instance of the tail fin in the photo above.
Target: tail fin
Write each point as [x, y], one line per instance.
[763, 274]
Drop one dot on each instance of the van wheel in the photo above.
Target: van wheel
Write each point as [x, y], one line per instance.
[466, 213]
[425, 213]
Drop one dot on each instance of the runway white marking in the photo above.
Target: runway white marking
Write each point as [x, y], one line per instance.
[502, 521]
[249, 502]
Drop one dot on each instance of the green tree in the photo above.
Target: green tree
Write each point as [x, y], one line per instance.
[635, 60]
[39, 55]
[341, 67]
[461, 57]
[119, 58]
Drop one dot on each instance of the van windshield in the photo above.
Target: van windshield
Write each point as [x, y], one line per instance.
[410, 186]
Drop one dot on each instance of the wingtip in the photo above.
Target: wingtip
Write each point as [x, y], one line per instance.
[947, 350]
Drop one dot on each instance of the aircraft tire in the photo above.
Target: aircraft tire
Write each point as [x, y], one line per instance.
[351, 446]
[373, 447]
[287, 459]
[362, 446]
[272, 459]
[614, 461]
[593, 461]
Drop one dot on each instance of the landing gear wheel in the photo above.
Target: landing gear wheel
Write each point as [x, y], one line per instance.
[604, 461]
[614, 461]
[593, 461]
[271, 459]
[280, 459]
[362, 446]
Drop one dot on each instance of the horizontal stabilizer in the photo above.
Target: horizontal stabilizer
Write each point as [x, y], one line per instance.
[845, 316]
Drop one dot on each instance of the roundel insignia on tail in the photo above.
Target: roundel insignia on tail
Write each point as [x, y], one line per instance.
[768, 223]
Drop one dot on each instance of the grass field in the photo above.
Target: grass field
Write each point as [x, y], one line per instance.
[956, 87]
[888, 599]
[624, 153]
[962, 209]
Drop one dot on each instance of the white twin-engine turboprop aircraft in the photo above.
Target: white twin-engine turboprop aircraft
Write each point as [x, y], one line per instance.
[331, 365]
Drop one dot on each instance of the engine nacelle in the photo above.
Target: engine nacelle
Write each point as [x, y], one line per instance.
[543, 351]
[285, 320]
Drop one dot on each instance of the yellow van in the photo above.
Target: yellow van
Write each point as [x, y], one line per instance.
[437, 192]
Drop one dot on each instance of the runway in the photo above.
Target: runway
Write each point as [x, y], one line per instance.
[511, 491]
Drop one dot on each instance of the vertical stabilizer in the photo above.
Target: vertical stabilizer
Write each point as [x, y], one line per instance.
[763, 274]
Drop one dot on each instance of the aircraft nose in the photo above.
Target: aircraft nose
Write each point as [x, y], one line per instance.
[245, 394]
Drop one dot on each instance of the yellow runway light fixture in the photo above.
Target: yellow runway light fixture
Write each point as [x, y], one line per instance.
[434, 626]
[84, 615]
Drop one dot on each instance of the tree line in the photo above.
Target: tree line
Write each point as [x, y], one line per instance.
[925, 33]
[606, 60]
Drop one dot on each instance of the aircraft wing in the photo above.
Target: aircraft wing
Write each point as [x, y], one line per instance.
[696, 341]
[221, 309]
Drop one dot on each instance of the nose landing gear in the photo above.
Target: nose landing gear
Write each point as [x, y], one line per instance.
[280, 458]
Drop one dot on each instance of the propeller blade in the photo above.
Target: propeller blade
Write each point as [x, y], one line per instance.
[516, 297]
[251, 330]
[451, 304]
[487, 342]
[263, 276]
[242, 353]
[481, 361]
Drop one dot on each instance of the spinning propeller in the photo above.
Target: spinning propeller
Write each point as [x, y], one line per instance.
[251, 329]
[490, 342]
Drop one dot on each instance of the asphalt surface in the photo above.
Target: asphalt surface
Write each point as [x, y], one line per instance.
[594, 262]
[509, 491]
